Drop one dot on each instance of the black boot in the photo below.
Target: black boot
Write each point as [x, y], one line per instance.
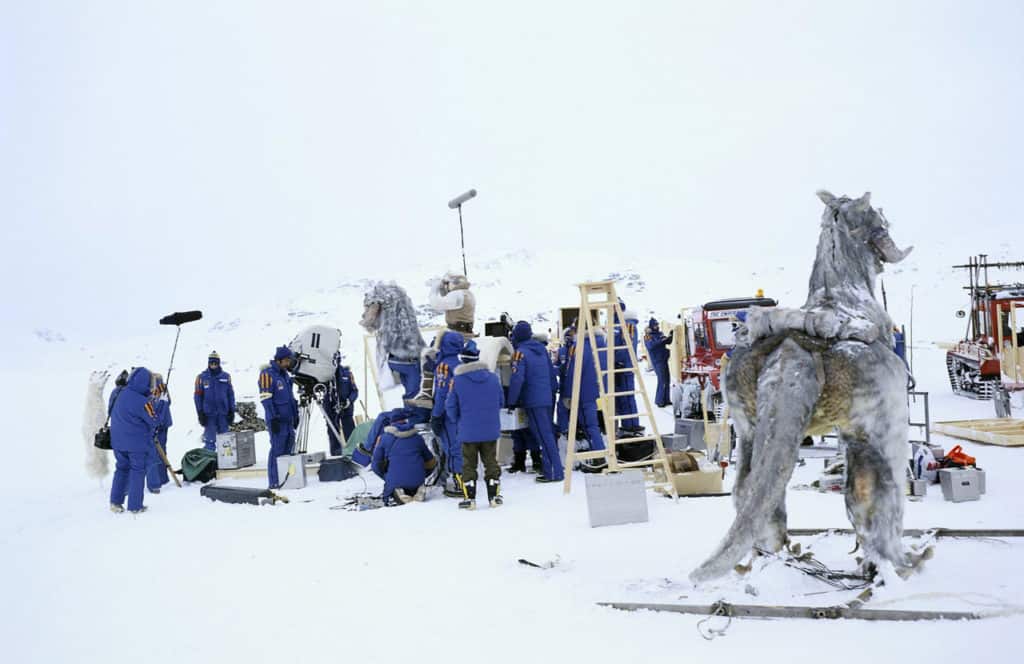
[535, 462]
[469, 495]
[518, 463]
[494, 493]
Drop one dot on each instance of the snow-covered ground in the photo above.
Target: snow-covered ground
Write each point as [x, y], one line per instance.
[193, 580]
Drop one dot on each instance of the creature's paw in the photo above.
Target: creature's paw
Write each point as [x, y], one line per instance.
[858, 329]
[99, 378]
[823, 324]
[759, 324]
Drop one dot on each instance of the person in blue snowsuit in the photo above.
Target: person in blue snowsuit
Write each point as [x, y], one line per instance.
[561, 368]
[657, 350]
[340, 405]
[156, 471]
[132, 427]
[280, 409]
[447, 361]
[589, 392]
[402, 460]
[532, 388]
[215, 401]
[363, 453]
[625, 404]
[474, 404]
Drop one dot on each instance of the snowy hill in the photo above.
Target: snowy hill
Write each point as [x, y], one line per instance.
[265, 581]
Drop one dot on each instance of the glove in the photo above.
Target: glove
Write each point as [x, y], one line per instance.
[437, 425]
[346, 404]
[670, 336]
[202, 419]
[275, 425]
[231, 417]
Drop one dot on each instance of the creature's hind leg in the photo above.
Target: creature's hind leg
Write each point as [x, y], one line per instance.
[787, 392]
[744, 451]
[874, 488]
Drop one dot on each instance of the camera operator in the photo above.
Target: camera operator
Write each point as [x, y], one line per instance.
[279, 407]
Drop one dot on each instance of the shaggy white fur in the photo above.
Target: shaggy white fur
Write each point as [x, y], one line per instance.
[97, 461]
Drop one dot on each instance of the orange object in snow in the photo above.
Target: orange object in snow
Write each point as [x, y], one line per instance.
[959, 457]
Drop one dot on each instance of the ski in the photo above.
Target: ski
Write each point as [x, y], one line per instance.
[837, 612]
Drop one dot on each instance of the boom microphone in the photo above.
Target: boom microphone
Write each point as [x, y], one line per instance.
[460, 199]
[181, 317]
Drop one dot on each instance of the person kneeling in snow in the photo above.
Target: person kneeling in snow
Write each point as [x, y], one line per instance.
[474, 403]
[402, 460]
[132, 427]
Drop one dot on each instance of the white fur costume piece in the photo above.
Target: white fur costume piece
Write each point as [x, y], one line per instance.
[97, 461]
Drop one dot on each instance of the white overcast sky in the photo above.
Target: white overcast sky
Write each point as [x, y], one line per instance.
[198, 154]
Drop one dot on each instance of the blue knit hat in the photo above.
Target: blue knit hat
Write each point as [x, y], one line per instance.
[521, 332]
[469, 352]
[282, 352]
[653, 322]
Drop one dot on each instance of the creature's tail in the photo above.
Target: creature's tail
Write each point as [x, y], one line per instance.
[787, 391]
[97, 462]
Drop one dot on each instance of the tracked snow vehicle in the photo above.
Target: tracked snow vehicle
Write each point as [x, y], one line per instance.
[990, 353]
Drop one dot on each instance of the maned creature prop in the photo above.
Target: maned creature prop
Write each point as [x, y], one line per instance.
[802, 372]
[388, 313]
[97, 461]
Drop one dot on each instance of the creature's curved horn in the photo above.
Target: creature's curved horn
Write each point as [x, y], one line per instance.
[826, 197]
[890, 252]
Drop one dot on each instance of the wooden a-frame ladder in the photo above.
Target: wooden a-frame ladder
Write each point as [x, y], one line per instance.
[596, 297]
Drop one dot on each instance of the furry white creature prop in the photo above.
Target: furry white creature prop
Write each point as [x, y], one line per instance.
[804, 372]
[97, 461]
[389, 314]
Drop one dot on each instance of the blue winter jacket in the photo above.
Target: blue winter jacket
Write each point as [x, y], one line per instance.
[474, 403]
[622, 340]
[657, 346]
[163, 419]
[345, 384]
[444, 372]
[133, 422]
[401, 458]
[214, 394]
[588, 379]
[533, 381]
[363, 454]
[113, 397]
[276, 394]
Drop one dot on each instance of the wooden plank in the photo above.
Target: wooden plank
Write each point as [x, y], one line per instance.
[1002, 432]
[256, 471]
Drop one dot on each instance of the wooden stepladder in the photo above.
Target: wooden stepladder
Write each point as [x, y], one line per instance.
[597, 297]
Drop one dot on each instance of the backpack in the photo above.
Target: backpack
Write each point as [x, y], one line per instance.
[199, 465]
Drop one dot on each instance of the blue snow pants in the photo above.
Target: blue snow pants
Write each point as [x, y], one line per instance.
[451, 446]
[562, 418]
[588, 418]
[129, 478]
[661, 397]
[626, 405]
[540, 427]
[523, 440]
[215, 424]
[344, 422]
[281, 443]
[156, 471]
[409, 375]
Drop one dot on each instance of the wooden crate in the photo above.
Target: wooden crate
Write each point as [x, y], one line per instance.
[1006, 432]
